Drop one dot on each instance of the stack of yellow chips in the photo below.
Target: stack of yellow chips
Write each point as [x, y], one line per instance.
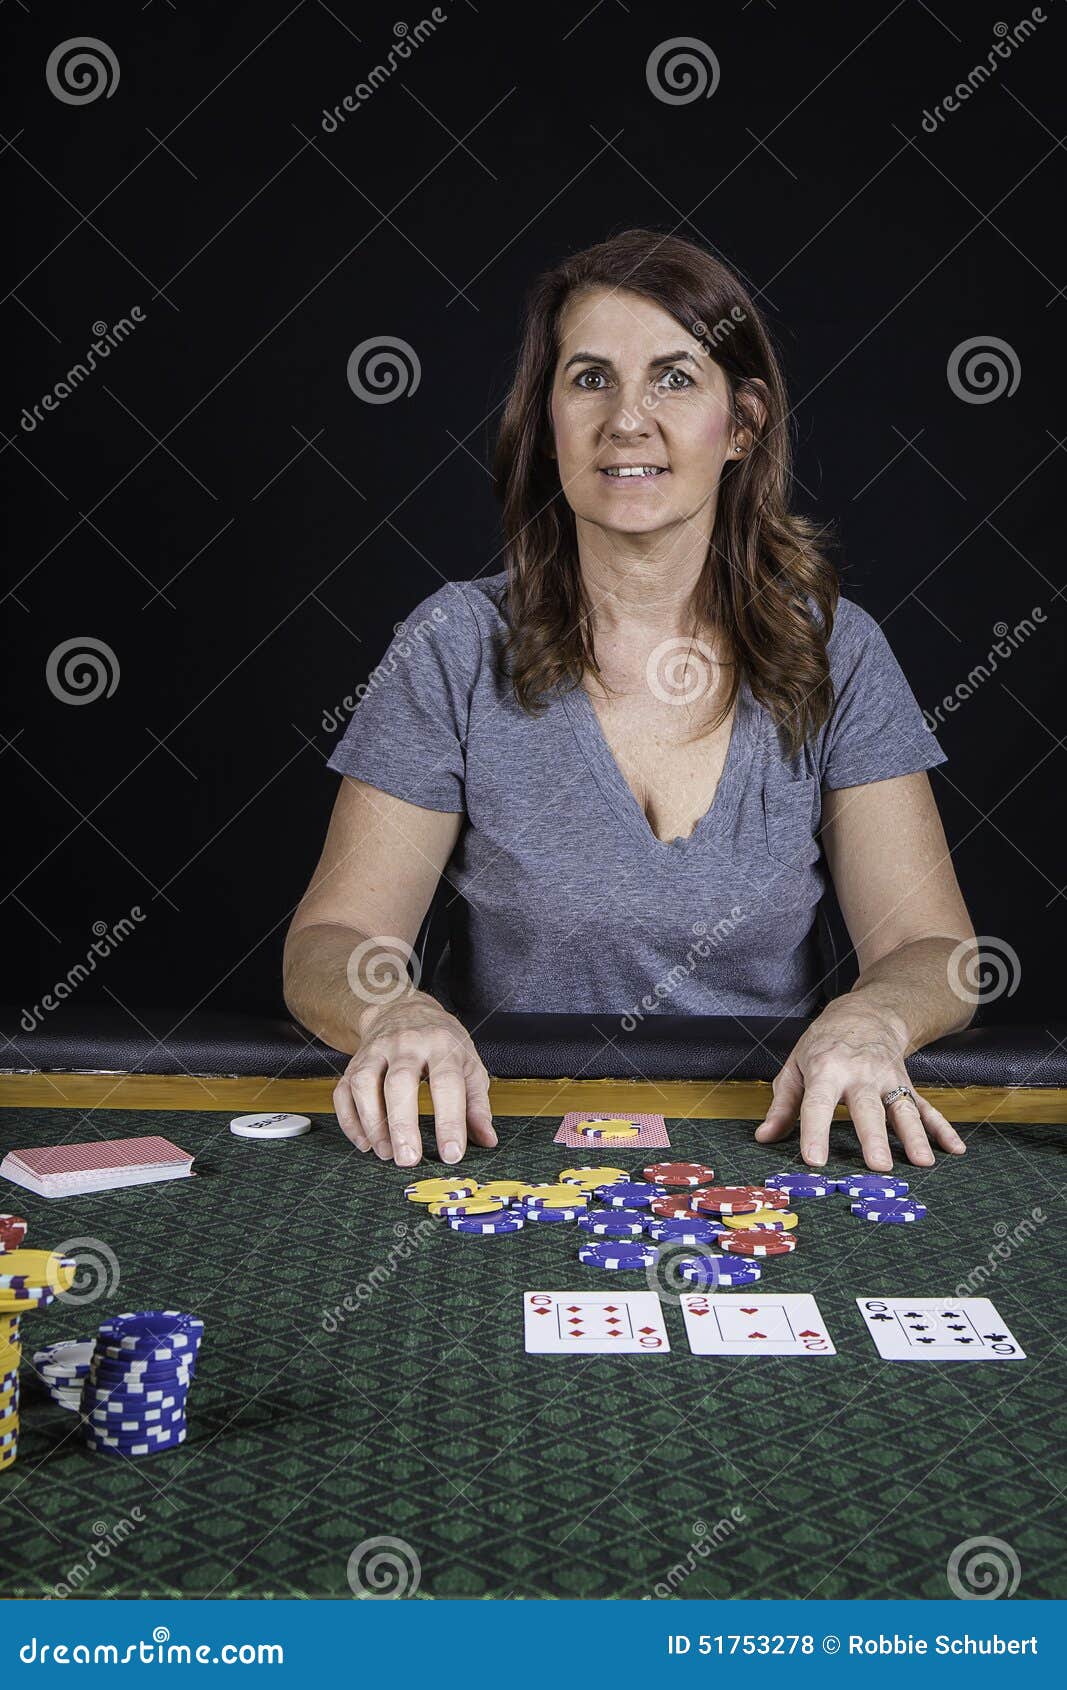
[29, 1280]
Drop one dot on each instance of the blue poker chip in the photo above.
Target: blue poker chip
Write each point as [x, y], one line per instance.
[135, 1447]
[545, 1212]
[620, 1256]
[487, 1226]
[710, 1271]
[899, 1209]
[150, 1334]
[808, 1184]
[613, 1223]
[125, 1425]
[628, 1194]
[675, 1230]
[873, 1185]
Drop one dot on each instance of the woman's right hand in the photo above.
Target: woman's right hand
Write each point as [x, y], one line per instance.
[377, 1098]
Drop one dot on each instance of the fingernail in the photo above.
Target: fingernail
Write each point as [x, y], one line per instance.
[451, 1152]
[406, 1156]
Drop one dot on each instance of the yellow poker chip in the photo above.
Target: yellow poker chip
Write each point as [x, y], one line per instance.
[479, 1204]
[587, 1179]
[609, 1130]
[35, 1270]
[505, 1190]
[769, 1220]
[448, 1190]
[557, 1197]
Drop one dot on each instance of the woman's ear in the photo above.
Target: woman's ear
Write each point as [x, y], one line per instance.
[750, 412]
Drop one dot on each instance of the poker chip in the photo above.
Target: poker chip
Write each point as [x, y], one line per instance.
[764, 1220]
[447, 1190]
[613, 1223]
[13, 1230]
[133, 1393]
[487, 1226]
[801, 1185]
[767, 1197]
[67, 1360]
[676, 1230]
[617, 1257]
[724, 1200]
[143, 1444]
[153, 1335]
[679, 1174]
[758, 1243]
[587, 1179]
[547, 1212]
[710, 1271]
[35, 1272]
[504, 1190]
[607, 1131]
[669, 1208]
[627, 1194]
[479, 1204]
[872, 1185]
[270, 1126]
[899, 1209]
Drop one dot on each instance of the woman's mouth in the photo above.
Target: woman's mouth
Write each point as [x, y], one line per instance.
[626, 473]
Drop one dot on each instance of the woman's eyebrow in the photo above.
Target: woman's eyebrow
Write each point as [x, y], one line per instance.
[663, 358]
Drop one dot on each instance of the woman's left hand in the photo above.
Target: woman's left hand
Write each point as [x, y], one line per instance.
[854, 1053]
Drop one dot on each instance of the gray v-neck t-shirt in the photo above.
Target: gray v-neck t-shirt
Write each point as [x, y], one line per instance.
[562, 898]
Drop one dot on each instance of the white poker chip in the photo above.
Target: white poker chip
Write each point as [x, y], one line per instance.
[270, 1126]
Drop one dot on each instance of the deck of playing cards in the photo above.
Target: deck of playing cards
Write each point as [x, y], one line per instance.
[68, 1170]
[651, 1132]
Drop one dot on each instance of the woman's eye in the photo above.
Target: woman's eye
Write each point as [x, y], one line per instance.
[682, 382]
[589, 376]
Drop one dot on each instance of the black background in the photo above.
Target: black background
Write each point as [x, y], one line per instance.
[218, 507]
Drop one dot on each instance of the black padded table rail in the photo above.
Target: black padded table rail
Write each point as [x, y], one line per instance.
[677, 1047]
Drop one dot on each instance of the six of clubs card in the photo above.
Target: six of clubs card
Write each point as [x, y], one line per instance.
[938, 1329]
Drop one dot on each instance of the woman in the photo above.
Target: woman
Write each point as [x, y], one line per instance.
[620, 749]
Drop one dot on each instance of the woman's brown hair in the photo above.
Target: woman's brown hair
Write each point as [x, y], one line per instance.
[764, 566]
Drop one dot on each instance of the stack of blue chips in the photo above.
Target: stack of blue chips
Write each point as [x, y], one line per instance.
[133, 1396]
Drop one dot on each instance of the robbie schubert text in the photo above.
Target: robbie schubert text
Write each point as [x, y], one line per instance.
[877, 1643]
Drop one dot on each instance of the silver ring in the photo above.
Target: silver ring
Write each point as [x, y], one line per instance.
[895, 1095]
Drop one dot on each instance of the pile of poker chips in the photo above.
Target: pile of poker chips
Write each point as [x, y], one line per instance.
[673, 1204]
[607, 1128]
[62, 1369]
[133, 1393]
[29, 1280]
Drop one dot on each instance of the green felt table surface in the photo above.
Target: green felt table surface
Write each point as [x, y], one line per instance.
[363, 1375]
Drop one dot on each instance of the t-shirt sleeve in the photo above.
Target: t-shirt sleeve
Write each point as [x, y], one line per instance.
[408, 733]
[876, 729]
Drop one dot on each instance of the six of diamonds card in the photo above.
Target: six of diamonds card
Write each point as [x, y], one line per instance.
[745, 1325]
[586, 1323]
[938, 1329]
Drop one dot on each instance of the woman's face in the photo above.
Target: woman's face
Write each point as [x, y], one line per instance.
[633, 390]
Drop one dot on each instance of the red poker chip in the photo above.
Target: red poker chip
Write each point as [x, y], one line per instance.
[674, 1208]
[679, 1173]
[13, 1230]
[758, 1244]
[767, 1198]
[725, 1200]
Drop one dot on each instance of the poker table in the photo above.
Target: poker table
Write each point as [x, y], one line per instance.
[363, 1374]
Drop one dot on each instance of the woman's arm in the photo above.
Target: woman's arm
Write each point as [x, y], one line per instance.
[893, 874]
[345, 978]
